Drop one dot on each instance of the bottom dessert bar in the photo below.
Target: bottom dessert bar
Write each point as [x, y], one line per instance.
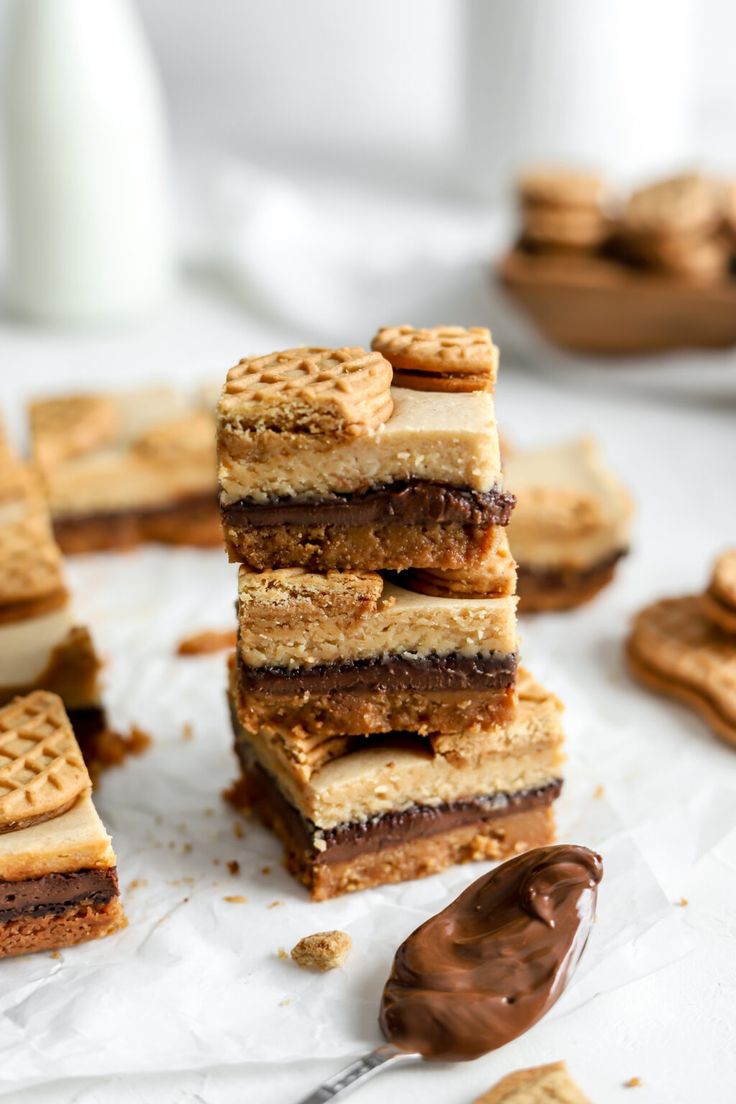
[398, 847]
[191, 521]
[358, 812]
[562, 588]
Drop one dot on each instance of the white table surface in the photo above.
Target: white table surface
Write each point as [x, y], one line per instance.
[674, 1029]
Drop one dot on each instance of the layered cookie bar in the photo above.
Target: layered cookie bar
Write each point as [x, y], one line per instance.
[58, 878]
[402, 806]
[324, 657]
[40, 643]
[123, 468]
[571, 524]
[324, 465]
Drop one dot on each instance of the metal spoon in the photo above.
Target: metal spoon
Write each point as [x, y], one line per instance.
[360, 1071]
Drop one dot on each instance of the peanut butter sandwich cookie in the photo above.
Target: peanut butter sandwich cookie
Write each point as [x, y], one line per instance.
[675, 649]
[571, 524]
[562, 209]
[719, 600]
[128, 467]
[443, 358]
[675, 227]
[377, 810]
[58, 878]
[323, 658]
[41, 645]
[549, 1084]
[324, 465]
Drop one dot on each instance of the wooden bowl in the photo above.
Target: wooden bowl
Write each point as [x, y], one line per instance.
[590, 304]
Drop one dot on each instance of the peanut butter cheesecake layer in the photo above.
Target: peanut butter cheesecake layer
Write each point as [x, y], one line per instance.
[324, 465]
[571, 524]
[350, 653]
[40, 645]
[128, 467]
[58, 878]
[399, 806]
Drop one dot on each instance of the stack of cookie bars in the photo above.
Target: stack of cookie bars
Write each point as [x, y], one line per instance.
[379, 723]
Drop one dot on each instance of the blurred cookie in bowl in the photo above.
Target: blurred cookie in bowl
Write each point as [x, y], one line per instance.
[676, 227]
[561, 209]
[571, 524]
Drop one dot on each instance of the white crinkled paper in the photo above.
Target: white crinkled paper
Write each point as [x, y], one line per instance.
[195, 981]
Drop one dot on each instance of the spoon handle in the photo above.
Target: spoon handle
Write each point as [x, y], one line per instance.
[358, 1072]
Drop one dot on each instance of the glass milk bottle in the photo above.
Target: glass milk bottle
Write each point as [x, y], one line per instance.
[86, 157]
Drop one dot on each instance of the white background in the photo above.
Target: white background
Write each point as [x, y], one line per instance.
[378, 96]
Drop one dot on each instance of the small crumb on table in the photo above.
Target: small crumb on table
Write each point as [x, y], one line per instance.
[207, 641]
[599, 791]
[275, 904]
[234, 866]
[633, 1083]
[683, 902]
[322, 951]
[236, 899]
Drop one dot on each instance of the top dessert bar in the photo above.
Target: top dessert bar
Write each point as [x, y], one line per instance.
[122, 468]
[324, 465]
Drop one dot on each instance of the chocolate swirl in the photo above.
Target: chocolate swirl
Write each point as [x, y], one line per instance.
[487, 967]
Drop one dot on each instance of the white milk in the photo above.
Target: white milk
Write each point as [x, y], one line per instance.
[87, 165]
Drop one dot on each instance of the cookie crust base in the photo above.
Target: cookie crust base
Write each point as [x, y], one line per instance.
[393, 547]
[355, 714]
[192, 521]
[78, 924]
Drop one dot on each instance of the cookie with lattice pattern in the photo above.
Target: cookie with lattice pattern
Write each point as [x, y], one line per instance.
[443, 358]
[30, 561]
[675, 649]
[343, 392]
[42, 772]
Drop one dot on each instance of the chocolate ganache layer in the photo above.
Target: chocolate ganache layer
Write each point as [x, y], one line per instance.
[486, 968]
[344, 842]
[55, 893]
[413, 503]
[495, 671]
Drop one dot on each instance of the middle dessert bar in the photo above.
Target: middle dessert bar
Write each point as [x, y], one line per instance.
[324, 465]
[349, 653]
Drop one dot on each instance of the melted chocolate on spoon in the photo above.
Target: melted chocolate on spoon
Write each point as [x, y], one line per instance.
[493, 962]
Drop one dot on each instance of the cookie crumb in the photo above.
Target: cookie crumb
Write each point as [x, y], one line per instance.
[56, 954]
[186, 848]
[209, 640]
[322, 951]
[234, 866]
[265, 870]
[633, 1083]
[137, 883]
[111, 749]
[286, 1000]
[283, 954]
[275, 904]
[187, 732]
[599, 791]
[238, 830]
[683, 902]
[236, 899]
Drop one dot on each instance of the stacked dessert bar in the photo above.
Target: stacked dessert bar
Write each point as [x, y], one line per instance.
[128, 467]
[379, 723]
[40, 644]
[58, 877]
